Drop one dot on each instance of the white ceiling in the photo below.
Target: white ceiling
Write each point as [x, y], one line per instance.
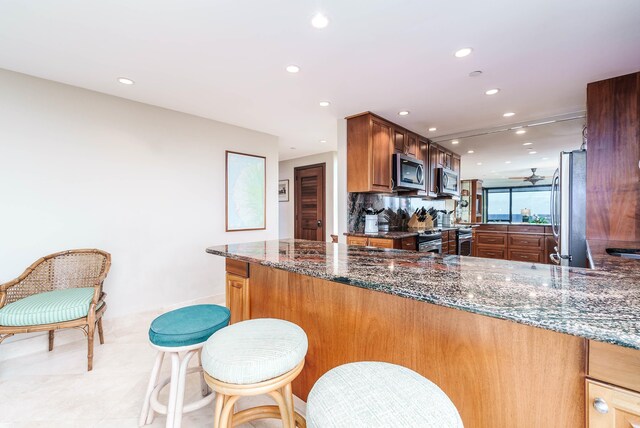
[225, 59]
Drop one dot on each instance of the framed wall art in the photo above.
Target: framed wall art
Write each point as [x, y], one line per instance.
[245, 192]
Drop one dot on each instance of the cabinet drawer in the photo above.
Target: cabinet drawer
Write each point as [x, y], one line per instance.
[525, 229]
[409, 244]
[357, 240]
[614, 364]
[618, 407]
[381, 242]
[490, 252]
[533, 242]
[498, 239]
[492, 228]
[526, 256]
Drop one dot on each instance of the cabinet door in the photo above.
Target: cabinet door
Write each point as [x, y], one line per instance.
[411, 147]
[357, 240]
[435, 162]
[490, 252]
[381, 156]
[533, 243]
[519, 255]
[237, 297]
[496, 239]
[381, 242]
[455, 165]
[399, 140]
[448, 160]
[611, 407]
[409, 243]
[423, 155]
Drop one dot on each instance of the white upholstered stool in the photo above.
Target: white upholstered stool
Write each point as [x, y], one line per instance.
[378, 395]
[255, 357]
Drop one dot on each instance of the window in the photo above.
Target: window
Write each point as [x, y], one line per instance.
[506, 203]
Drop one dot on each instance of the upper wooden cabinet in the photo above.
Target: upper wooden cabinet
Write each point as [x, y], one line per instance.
[369, 150]
[371, 142]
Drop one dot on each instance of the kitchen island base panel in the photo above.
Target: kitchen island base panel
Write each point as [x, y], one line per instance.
[498, 373]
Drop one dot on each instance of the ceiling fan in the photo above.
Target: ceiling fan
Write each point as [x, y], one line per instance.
[533, 178]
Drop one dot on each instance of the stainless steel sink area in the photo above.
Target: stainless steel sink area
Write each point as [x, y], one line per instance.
[627, 253]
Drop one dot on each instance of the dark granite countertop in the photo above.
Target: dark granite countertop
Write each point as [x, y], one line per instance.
[601, 260]
[600, 304]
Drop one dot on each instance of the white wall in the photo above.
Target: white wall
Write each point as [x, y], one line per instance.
[83, 169]
[286, 216]
[341, 192]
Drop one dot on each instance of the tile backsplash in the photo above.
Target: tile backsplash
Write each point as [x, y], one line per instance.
[398, 209]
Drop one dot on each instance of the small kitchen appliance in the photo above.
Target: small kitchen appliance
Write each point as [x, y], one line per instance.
[371, 224]
[408, 173]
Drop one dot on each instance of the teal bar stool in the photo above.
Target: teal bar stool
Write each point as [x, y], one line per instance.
[378, 395]
[183, 330]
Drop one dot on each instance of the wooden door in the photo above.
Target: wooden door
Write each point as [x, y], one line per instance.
[309, 187]
[411, 147]
[381, 151]
[399, 140]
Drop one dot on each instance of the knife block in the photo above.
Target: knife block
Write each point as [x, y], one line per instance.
[422, 225]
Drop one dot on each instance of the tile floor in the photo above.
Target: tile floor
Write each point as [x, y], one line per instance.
[53, 389]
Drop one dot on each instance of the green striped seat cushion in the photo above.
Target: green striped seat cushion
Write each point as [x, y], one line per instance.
[46, 308]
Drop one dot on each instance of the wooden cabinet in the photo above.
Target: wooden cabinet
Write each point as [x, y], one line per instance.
[611, 407]
[449, 246]
[407, 243]
[524, 243]
[520, 255]
[614, 364]
[371, 142]
[237, 290]
[491, 252]
[399, 139]
[369, 150]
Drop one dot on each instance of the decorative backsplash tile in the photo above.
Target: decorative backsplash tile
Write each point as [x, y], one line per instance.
[396, 214]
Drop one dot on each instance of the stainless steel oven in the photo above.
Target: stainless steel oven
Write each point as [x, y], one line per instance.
[430, 243]
[408, 172]
[464, 241]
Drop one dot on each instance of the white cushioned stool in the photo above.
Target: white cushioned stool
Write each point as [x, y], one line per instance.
[376, 394]
[254, 357]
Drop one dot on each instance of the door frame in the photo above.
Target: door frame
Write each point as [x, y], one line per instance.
[296, 186]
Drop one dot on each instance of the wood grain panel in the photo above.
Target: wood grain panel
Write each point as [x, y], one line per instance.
[381, 242]
[614, 364]
[237, 267]
[491, 252]
[522, 255]
[492, 228]
[237, 297]
[613, 173]
[531, 242]
[381, 155]
[497, 373]
[497, 239]
[623, 407]
[309, 200]
[357, 240]
[359, 154]
[409, 243]
[523, 228]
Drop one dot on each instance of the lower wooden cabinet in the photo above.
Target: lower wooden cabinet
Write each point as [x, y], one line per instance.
[408, 243]
[237, 297]
[522, 255]
[491, 253]
[611, 407]
[523, 243]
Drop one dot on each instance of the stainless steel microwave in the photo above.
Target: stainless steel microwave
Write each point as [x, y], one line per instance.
[408, 172]
[447, 182]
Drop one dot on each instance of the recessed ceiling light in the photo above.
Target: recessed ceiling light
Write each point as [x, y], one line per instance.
[455, 142]
[319, 20]
[521, 131]
[509, 114]
[532, 152]
[432, 129]
[461, 53]
[475, 73]
[508, 162]
[125, 81]
[292, 68]
[403, 112]
[324, 103]
[470, 151]
[479, 163]
[492, 91]
[292, 148]
[527, 144]
[323, 141]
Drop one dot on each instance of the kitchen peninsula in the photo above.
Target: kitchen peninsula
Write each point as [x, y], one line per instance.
[511, 343]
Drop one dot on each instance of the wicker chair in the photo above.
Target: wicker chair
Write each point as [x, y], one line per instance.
[70, 280]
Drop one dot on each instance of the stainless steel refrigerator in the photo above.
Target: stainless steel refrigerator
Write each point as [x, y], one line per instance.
[568, 209]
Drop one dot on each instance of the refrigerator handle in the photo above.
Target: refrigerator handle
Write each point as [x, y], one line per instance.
[554, 201]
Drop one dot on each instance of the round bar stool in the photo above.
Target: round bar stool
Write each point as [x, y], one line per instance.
[182, 330]
[255, 357]
[376, 394]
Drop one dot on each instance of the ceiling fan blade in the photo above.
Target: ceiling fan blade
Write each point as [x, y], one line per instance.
[517, 178]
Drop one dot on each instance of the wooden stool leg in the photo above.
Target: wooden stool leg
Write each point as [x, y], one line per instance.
[288, 398]
[204, 387]
[284, 412]
[100, 332]
[90, 335]
[173, 390]
[146, 415]
[227, 411]
[217, 412]
[50, 340]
